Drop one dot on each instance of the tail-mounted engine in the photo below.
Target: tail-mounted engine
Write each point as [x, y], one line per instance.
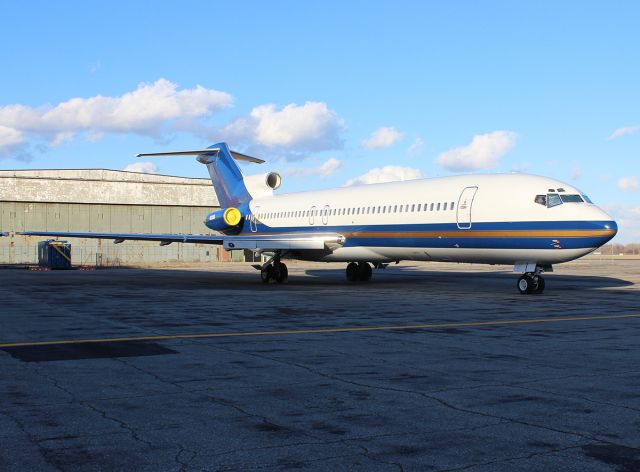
[262, 185]
[227, 221]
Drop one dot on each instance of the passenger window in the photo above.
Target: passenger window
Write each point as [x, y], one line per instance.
[431, 207]
[444, 206]
[452, 205]
[553, 199]
[395, 209]
[413, 207]
[419, 206]
[438, 209]
[541, 200]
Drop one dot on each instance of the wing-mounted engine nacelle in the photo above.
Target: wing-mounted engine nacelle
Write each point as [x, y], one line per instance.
[227, 221]
[262, 185]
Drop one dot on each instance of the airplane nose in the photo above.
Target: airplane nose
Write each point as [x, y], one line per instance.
[613, 226]
[609, 224]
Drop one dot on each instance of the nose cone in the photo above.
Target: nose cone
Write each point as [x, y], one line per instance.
[606, 223]
[612, 226]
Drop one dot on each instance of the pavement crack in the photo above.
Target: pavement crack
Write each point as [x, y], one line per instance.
[514, 458]
[431, 397]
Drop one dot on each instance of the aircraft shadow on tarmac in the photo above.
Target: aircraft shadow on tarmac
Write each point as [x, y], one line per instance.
[400, 276]
[404, 276]
[467, 280]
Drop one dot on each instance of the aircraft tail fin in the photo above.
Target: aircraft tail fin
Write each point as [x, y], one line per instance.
[226, 177]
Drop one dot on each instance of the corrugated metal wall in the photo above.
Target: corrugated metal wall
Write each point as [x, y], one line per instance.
[25, 216]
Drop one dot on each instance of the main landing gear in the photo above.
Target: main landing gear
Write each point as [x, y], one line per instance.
[274, 270]
[359, 272]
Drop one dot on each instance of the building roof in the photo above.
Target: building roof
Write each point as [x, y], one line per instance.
[104, 186]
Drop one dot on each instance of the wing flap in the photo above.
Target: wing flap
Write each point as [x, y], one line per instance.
[265, 242]
[121, 237]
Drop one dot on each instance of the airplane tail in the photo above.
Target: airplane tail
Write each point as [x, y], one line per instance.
[226, 177]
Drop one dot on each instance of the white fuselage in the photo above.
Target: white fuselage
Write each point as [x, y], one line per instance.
[470, 218]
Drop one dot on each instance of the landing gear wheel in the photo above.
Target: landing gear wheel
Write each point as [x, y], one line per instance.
[539, 284]
[266, 274]
[364, 272]
[281, 273]
[352, 272]
[526, 284]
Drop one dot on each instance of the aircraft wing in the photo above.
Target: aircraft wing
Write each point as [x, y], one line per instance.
[257, 241]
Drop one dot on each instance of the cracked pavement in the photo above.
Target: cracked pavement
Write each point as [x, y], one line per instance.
[528, 397]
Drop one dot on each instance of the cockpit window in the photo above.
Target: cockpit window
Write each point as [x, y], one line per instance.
[541, 200]
[587, 199]
[571, 198]
[553, 199]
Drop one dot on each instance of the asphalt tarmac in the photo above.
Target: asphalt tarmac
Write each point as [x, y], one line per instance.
[426, 367]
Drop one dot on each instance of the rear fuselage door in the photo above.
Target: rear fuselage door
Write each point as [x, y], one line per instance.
[312, 215]
[465, 203]
[325, 214]
[253, 219]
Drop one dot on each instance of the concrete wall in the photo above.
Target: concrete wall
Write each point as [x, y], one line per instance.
[106, 201]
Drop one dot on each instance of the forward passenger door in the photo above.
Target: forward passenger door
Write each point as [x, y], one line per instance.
[465, 203]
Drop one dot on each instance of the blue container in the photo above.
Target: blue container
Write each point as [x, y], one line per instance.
[54, 254]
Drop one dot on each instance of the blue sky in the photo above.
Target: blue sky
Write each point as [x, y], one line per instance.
[331, 93]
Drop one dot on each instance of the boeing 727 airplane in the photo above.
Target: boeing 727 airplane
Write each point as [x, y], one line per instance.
[527, 221]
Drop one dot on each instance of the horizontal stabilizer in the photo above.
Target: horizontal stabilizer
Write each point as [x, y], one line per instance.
[204, 152]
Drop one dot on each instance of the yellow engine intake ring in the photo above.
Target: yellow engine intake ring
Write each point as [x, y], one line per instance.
[232, 216]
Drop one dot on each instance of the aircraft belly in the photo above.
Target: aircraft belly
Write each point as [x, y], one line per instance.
[472, 255]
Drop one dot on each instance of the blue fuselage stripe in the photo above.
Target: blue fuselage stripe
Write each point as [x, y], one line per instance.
[494, 235]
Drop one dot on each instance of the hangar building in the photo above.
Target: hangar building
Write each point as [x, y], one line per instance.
[105, 201]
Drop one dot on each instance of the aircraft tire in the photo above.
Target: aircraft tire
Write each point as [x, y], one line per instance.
[266, 274]
[282, 273]
[540, 284]
[352, 272]
[364, 272]
[526, 284]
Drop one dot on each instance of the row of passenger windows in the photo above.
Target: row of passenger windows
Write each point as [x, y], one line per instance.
[370, 210]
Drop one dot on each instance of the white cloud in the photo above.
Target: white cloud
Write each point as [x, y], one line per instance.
[576, 173]
[484, 152]
[329, 167]
[386, 174]
[149, 110]
[9, 137]
[628, 184]
[416, 147]
[382, 138]
[143, 167]
[300, 128]
[624, 131]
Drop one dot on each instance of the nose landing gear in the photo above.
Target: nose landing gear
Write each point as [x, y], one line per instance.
[533, 282]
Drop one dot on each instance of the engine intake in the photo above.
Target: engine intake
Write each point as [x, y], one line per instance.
[228, 221]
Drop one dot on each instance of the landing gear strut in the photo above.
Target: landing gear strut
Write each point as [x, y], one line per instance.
[359, 272]
[274, 270]
[531, 282]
